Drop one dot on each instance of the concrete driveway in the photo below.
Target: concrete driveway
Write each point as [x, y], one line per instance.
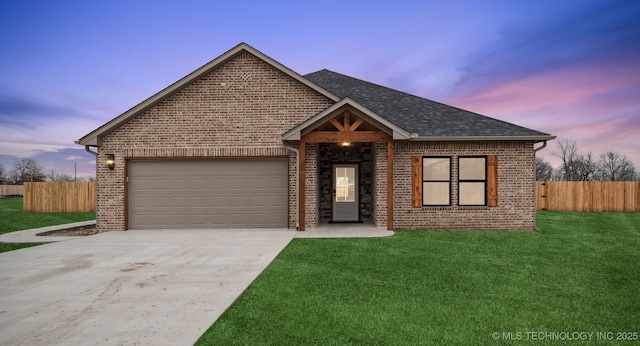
[157, 287]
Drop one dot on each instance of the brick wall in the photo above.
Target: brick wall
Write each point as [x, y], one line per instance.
[379, 181]
[516, 179]
[311, 185]
[240, 109]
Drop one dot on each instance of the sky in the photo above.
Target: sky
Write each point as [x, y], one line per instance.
[569, 68]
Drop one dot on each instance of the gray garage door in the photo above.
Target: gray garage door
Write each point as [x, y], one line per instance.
[215, 193]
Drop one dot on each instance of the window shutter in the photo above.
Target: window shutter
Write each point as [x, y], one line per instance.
[416, 181]
[492, 180]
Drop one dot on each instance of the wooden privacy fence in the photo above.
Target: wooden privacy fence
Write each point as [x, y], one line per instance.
[10, 190]
[59, 197]
[589, 196]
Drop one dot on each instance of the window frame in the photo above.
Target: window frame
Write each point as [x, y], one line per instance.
[423, 181]
[484, 182]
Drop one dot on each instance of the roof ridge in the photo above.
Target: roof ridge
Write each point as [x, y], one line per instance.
[395, 90]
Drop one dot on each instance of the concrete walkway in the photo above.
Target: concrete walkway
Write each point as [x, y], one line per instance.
[156, 287]
[344, 230]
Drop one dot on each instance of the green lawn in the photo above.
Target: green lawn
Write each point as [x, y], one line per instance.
[12, 218]
[579, 273]
[4, 247]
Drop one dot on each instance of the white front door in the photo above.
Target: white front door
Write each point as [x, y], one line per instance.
[345, 193]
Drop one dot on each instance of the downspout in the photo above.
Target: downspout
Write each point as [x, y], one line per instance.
[94, 153]
[297, 183]
[535, 186]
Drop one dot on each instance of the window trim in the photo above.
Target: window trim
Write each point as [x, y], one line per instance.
[450, 181]
[485, 181]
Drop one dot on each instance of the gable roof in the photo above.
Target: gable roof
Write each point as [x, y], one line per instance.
[403, 115]
[426, 119]
[94, 137]
[346, 103]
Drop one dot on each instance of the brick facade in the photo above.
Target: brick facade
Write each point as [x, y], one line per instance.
[240, 109]
[379, 181]
[516, 183]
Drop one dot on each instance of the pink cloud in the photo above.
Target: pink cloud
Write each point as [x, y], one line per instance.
[596, 105]
[560, 88]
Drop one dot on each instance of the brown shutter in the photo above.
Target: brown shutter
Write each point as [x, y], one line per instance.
[492, 180]
[416, 181]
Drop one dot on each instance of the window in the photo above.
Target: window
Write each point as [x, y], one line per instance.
[472, 181]
[345, 184]
[436, 181]
[477, 181]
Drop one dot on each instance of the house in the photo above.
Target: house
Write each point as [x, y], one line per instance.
[245, 141]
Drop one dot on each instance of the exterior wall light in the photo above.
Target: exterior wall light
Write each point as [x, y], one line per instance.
[345, 144]
[111, 161]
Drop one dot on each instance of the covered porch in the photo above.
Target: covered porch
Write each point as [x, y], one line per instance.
[345, 167]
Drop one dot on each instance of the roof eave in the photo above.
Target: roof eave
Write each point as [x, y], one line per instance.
[534, 138]
[94, 137]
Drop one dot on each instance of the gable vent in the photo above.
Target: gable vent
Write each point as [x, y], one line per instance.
[245, 77]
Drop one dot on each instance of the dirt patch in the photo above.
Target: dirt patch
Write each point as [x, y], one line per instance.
[71, 232]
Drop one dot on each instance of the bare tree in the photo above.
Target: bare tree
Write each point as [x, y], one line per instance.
[544, 170]
[567, 152]
[26, 170]
[584, 168]
[60, 177]
[616, 167]
[2, 174]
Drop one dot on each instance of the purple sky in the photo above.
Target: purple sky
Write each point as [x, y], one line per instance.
[570, 68]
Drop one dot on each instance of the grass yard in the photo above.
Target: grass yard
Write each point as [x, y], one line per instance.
[12, 218]
[4, 247]
[579, 273]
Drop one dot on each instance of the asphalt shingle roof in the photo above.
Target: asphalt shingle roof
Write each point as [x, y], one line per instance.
[415, 114]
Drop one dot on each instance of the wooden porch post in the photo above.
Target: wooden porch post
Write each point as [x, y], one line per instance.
[301, 188]
[390, 184]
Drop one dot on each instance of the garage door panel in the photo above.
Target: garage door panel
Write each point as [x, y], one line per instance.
[153, 184]
[277, 183]
[218, 202]
[276, 218]
[179, 201]
[179, 184]
[208, 193]
[277, 201]
[258, 218]
[200, 183]
[258, 201]
[238, 202]
[238, 183]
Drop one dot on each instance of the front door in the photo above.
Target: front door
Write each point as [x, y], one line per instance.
[345, 193]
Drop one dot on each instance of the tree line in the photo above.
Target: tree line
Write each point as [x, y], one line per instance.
[29, 170]
[576, 166]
